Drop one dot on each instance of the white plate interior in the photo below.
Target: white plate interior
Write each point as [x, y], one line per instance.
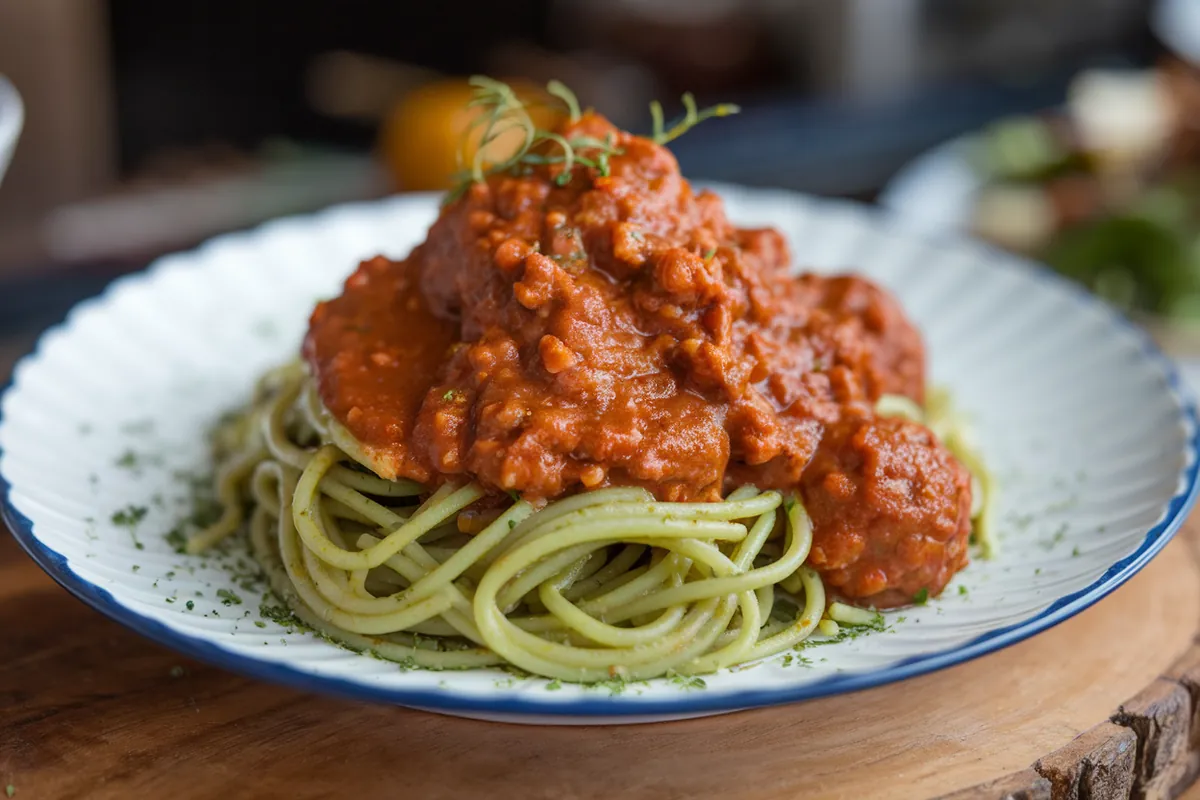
[1078, 417]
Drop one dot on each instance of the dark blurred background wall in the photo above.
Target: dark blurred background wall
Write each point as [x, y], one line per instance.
[153, 124]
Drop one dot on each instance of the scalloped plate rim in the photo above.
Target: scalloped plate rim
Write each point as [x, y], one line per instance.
[621, 708]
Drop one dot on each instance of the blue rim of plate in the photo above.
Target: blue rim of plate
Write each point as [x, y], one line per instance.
[693, 703]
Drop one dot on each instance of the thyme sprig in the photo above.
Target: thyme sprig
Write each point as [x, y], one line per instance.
[691, 118]
[559, 90]
[504, 112]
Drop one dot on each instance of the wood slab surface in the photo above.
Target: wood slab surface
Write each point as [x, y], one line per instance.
[1100, 706]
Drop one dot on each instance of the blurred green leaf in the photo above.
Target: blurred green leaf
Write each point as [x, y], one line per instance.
[1136, 262]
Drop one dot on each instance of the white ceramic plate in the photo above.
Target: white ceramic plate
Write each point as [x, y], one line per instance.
[1177, 24]
[1081, 419]
[12, 115]
[935, 193]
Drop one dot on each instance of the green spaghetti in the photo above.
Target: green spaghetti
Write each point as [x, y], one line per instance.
[607, 583]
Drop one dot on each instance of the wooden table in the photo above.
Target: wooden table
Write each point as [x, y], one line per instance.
[1100, 705]
[1104, 705]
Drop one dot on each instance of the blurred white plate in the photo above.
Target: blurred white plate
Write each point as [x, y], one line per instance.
[935, 192]
[12, 116]
[1082, 420]
[935, 195]
[1177, 25]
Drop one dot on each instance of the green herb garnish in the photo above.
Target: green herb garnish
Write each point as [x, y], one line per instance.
[503, 112]
[801, 661]
[1060, 534]
[228, 598]
[559, 90]
[921, 597]
[691, 118]
[615, 685]
[687, 681]
[130, 516]
[280, 615]
[177, 539]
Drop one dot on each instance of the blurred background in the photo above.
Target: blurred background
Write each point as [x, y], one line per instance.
[151, 126]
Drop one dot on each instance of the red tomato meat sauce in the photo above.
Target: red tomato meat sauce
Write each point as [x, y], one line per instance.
[557, 334]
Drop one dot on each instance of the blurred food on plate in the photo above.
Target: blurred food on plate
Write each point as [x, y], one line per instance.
[1107, 189]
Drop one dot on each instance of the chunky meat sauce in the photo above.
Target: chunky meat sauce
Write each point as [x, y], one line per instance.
[555, 335]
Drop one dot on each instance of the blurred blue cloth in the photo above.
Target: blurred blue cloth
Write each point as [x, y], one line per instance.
[844, 148]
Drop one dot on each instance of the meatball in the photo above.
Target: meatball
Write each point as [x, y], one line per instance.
[865, 329]
[890, 508]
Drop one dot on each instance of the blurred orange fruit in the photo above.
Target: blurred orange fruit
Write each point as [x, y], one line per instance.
[422, 136]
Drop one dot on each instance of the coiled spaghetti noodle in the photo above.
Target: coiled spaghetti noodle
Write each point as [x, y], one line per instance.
[608, 583]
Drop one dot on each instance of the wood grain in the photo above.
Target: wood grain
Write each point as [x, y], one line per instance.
[88, 709]
[1186, 671]
[1024, 785]
[1099, 764]
[1160, 716]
